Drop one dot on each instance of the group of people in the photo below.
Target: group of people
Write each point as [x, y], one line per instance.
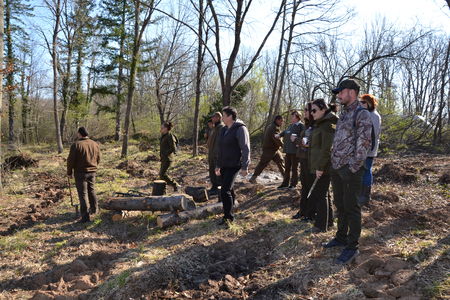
[329, 150]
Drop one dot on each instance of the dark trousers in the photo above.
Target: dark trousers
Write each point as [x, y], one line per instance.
[165, 165]
[291, 172]
[322, 205]
[307, 208]
[215, 180]
[266, 157]
[368, 176]
[227, 194]
[346, 189]
[85, 183]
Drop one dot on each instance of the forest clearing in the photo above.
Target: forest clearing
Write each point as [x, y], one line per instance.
[405, 246]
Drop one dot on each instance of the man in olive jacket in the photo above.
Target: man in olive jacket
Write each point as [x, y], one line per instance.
[83, 159]
[271, 146]
[213, 148]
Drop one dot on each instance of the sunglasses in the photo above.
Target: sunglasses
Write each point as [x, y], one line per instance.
[313, 111]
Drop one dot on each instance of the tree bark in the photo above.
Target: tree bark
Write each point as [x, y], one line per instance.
[2, 7]
[199, 194]
[120, 97]
[178, 202]
[10, 64]
[167, 220]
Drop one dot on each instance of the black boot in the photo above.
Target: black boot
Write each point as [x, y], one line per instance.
[364, 198]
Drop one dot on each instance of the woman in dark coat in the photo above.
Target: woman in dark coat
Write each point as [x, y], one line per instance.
[319, 162]
[167, 149]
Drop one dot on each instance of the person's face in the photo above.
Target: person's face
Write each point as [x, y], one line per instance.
[306, 113]
[215, 119]
[364, 103]
[294, 119]
[227, 119]
[210, 124]
[164, 130]
[279, 122]
[316, 112]
[346, 96]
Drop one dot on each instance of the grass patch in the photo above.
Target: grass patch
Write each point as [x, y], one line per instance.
[55, 251]
[17, 243]
[439, 289]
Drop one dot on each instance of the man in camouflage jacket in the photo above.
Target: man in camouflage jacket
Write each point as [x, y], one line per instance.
[351, 143]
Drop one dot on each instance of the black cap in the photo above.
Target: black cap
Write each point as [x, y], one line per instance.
[346, 84]
[83, 131]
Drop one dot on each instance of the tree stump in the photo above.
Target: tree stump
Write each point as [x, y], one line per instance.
[167, 220]
[199, 194]
[159, 188]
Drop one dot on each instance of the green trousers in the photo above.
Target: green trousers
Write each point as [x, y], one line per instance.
[165, 165]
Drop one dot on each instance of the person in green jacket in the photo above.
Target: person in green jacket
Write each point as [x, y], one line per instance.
[320, 161]
[167, 149]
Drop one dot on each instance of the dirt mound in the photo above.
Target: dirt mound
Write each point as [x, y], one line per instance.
[395, 173]
[445, 178]
[389, 197]
[137, 169]
[150, 158]
[21, 161]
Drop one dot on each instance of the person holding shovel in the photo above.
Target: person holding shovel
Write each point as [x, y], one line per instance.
[320, 162]
[82, 163]
[167, 149]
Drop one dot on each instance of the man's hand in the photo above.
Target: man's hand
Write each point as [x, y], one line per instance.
[217, 171]
[244, 173]
[277, 136]
[319, 174]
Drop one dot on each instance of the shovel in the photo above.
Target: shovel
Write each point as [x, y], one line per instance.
[71, 199]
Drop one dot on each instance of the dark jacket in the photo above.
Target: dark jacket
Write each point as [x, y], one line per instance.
[289, 147]
[270, 142]
[321, 142]
[167, 146]
[234, 147]
[213, 142]
[302, 150]
[84, 156]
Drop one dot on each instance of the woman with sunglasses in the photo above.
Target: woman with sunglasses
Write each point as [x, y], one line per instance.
[369, 102]
[320, 161]
[307, 210]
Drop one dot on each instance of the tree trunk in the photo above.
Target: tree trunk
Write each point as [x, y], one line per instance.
[2, 7]
[172, 219]
[179, 202]
[437, 135]
[55, 74]
[198, 79]
[10, 65]
[199, 194]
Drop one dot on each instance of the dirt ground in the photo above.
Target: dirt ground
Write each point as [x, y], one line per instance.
[44, 254]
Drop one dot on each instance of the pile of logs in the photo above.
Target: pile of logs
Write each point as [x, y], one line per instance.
[181, 207]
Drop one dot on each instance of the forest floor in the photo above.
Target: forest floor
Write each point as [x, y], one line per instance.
[44, 254]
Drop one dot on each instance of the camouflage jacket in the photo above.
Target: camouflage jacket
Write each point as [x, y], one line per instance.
[349, 149]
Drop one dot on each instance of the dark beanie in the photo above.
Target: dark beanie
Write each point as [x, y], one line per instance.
[83, 131]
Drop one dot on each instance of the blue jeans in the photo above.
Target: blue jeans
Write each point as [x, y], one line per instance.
[368, 177]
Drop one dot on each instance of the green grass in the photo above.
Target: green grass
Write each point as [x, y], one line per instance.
[17, 242]
[439, 289]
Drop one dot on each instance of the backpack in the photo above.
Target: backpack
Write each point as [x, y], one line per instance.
[355, 115]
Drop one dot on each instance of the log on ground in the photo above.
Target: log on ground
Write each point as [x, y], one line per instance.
[176, 202]
[200, 194]
[168, 220]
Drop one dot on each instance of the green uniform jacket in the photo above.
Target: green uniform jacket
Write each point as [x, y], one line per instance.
[167, 146]
[270, 142]
[321, 142]
[213, 143]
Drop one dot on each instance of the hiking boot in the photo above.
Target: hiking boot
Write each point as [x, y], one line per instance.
[213, 191]
[347, 256]
[306, 220]
[225, 222]
[282, 187]
[297, 216]
[252, 180]
[334, 243]
[83, 220]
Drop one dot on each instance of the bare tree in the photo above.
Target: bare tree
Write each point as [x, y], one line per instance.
[139, 29]
[226, 75]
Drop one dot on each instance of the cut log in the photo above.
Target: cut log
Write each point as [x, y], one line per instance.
[200, 194]
[176, 202]
[168, 220]
[159, 188]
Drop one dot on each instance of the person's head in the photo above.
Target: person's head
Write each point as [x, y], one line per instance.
[278, 120]
[347, 91]
[319, 108]
[82, 132]
[166, 127]
[210, 123]
[368, 101]
[216, 117]
[295, 116]
[229, 115]
[307, 112]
